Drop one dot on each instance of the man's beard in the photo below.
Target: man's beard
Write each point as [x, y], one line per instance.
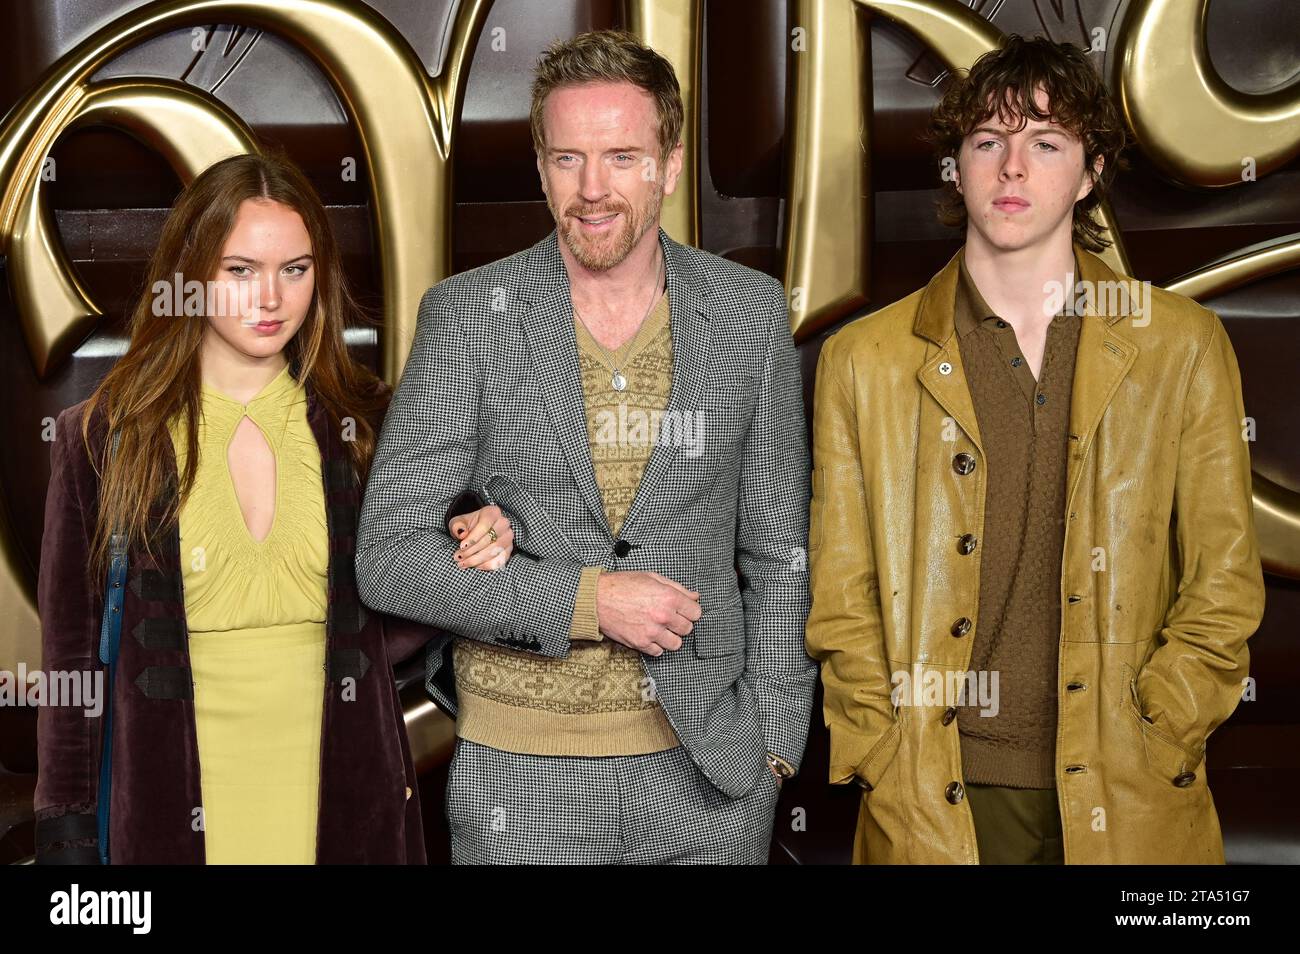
[601, 253]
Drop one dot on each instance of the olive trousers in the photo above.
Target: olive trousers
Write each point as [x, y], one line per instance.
[1016, 826]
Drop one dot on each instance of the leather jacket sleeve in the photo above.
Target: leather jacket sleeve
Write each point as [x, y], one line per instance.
[845, 629]
[1194, 679]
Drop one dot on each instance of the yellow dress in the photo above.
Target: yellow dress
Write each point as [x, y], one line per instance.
[256, 614]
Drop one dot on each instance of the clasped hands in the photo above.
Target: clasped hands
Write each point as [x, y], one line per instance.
[642, 610]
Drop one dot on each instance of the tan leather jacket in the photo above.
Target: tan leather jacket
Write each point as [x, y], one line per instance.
[1160, 580]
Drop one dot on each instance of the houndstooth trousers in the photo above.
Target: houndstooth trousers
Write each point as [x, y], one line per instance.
[512, 808]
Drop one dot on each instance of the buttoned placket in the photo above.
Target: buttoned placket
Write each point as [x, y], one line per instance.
[1037, 391]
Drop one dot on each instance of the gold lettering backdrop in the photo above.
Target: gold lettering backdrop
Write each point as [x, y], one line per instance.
[1191, 125]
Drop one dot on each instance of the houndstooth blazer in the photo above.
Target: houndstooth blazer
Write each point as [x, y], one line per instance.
[491, 399]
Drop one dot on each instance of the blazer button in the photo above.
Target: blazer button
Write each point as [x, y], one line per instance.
[948, 715]
[961, 627]
[408, 793]
[622, 548]
[954, 793]
[1187, 778]
[963, 463]
[966, 545]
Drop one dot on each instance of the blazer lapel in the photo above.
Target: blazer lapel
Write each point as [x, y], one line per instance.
[548, 326]
[691, 330]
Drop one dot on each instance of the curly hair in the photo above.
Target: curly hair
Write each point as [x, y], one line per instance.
[1010, 77]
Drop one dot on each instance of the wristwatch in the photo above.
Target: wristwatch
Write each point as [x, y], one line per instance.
[780, 766]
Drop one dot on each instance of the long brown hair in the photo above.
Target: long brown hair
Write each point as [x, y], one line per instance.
[1009, 77]
[159, 376]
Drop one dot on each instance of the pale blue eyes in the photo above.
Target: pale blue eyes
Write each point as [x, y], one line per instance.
[623, 159]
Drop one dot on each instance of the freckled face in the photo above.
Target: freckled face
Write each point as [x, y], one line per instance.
[601, 169]
[1020, 187]
[265, 280]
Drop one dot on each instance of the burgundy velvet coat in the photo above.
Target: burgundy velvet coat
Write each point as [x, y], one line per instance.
[369, 810]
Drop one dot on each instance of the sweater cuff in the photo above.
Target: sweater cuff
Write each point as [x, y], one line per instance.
[585, 624]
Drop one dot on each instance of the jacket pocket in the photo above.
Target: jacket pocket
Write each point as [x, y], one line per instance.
[874, 768]
[720, 631]
[730, 389]
[1165, 757]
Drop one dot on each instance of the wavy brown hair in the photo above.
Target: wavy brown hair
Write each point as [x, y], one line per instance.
[1077, 100]
[159, 376]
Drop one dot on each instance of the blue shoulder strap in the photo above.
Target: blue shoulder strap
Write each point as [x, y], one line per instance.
[110, 638]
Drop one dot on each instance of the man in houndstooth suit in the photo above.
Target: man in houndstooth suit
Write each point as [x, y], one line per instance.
[631, 685]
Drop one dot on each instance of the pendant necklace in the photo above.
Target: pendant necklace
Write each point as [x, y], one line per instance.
[618, 382]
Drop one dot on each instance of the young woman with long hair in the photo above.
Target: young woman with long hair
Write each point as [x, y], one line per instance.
[254, 715]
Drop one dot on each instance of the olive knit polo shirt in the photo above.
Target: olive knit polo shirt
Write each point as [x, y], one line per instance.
[1024, 428]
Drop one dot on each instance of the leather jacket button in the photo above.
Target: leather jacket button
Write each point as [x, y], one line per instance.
[954, 793]
[1187, 778]
[622, 548]
[963, 463]
[948, 715]
[966, 545]
[961, 627]
[408, 793]
[865, 786]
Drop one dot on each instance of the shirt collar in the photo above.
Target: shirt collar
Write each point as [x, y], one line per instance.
[970, 309]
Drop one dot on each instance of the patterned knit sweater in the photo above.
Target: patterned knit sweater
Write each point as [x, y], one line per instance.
[595, 701]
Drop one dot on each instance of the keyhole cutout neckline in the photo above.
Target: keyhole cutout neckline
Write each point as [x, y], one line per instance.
[234, 488]
[269, 403]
